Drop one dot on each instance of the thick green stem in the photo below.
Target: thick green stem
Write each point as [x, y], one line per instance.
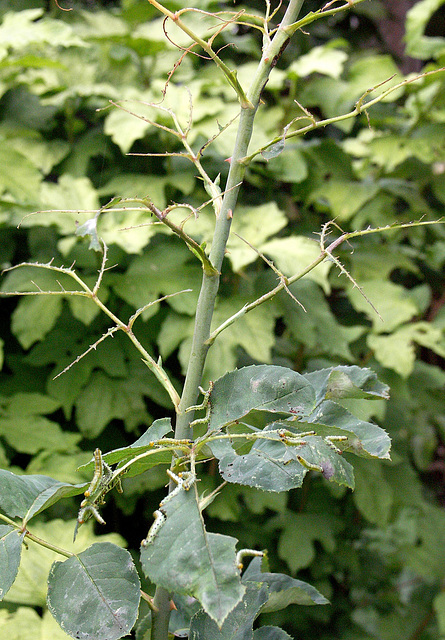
[210, 282]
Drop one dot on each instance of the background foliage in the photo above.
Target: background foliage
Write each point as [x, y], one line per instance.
[377, 553]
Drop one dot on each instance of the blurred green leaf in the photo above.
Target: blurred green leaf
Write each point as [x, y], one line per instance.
[19, 176]
[300, 532]
[292, 255]
[418, 45]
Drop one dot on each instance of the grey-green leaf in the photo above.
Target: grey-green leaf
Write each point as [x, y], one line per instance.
[283, 590]
[347, 382]
[95, 595]
[10, 552]
[271, 633]
[364, 438]
[264, 467]
[25, 496]
[183, 557]
[154, 433]
[273, 465]
[261, 387]
[239, 625]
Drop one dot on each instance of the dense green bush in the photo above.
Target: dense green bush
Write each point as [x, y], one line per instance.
[375, 553]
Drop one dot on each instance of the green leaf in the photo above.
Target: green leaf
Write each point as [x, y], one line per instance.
[300, 533]
[26, 624]
[10, 551]
[30, 586]
[34, 317]
[273, 465]
[60, 466]
[439, 608]
[289, 166]
[274, 150]
[418, 45]
[393, 302]
[30, 404]
[315, 326]
[338, 196]
[256, 225]
[373, 495]
[184, 558]
[292, 255]
[70, 194]
[283, 590]
[253, 332]
[364, 438]
[162, 270]
[138, 185]
[89, 228]
[426, 557]
[144, 444]
[124, 128]
[347, 382]
[397, 351]
[106, 398]
[43, 154]
[261, 387]
[26, 496]
[239, 625]
[265, 467]
[369, 71]
[30, 434]
[19, 176]
[389, 151]
[27, 431]
[22, 28]
[95, 594]
[270, 633]
[326, 60]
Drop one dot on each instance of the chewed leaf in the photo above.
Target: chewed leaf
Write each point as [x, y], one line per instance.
[364, 438]
[273, 465]
[265, 468]
[283, 590]
[181, 556]
[261, 387]
[347, 382]
[89, 228]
